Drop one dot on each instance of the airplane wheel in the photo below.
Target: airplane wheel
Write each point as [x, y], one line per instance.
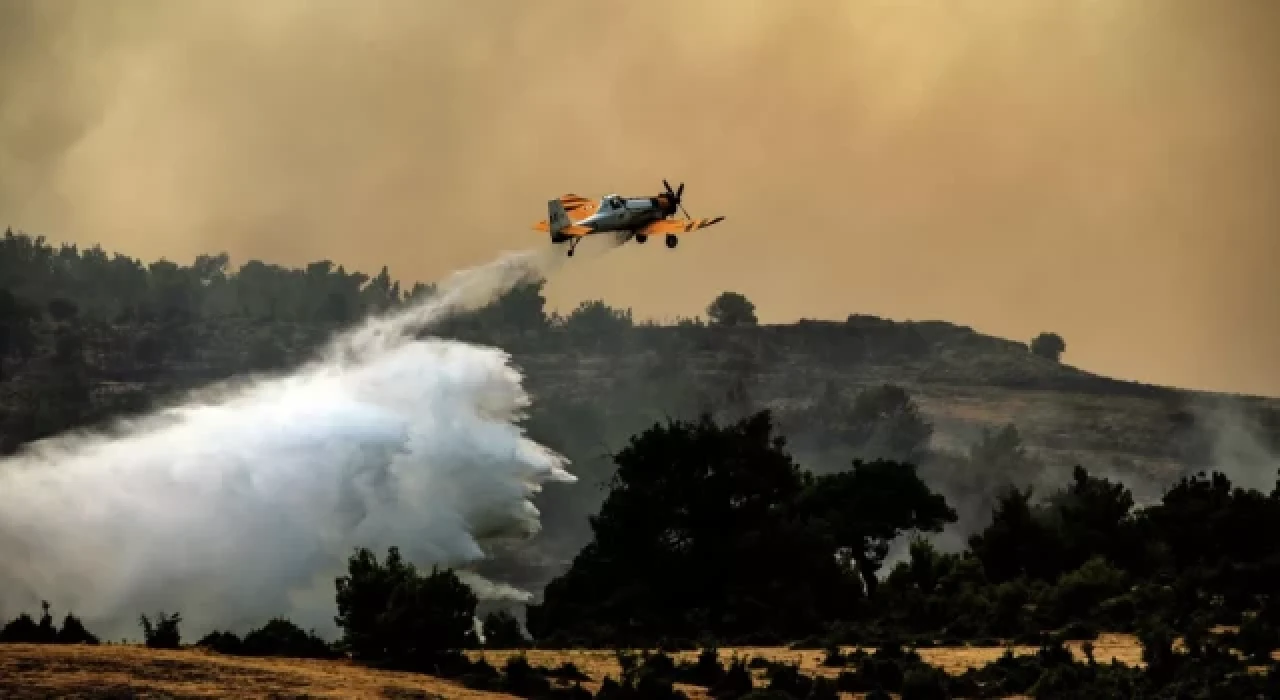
[642, 237]
[571, 252]
[672, 241]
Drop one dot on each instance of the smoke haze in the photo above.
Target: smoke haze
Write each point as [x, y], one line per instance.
[243, 503]
[1105, 170]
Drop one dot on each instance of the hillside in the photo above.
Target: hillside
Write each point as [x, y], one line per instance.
[741, 485]
[91, 336]
[119, 671]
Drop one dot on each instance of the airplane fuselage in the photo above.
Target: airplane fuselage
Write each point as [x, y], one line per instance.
[623, 214]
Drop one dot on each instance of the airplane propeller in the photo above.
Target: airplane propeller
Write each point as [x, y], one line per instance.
[675, 198]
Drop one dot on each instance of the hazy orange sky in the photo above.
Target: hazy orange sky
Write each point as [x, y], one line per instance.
[1107, 169]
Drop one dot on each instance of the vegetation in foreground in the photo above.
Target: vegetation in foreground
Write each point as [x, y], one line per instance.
[711, 535]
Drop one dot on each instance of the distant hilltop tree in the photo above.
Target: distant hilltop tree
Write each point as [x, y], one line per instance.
[732, 309]
[1049, 346]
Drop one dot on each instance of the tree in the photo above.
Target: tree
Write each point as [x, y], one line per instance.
[886, 424]
[731, 309]
[865, 509]
[1094, 517]
[523, 308]
[174, 291]
[163, 633]
[73, 632]
[699, 534]
[598, 319]
[280, 637]
[381, 293]
[1049, 346]
[391, 613]
[1207, 528]
[502, 631]
[882, 422]
[16, 317]
[48, 633]
[1000, 458]
[21, 630]
[1018, 542]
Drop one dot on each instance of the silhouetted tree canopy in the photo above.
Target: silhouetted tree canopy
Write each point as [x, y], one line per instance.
[521, 309]
[164, 632]
[16, 317]
[731, 309]
[597, 317]
[502, 631]
[1049, 346]
[280, 637]
[881, 422]
[865, 509]
[390, 613]
[713, 529]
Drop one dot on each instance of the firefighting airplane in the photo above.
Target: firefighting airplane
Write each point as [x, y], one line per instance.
[572, 218]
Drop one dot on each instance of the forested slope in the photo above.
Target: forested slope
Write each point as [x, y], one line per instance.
[89, 335]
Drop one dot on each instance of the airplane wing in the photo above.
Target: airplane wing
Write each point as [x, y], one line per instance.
[678, 226]
[572, 230]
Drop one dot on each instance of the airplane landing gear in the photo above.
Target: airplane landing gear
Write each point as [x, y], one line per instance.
[672, 241]
[642, 237]
[574, 244]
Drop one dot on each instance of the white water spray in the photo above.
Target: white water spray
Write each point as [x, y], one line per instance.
[245, 501]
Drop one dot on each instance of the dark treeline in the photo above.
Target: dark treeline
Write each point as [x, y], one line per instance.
[711, 532]
[708, 530]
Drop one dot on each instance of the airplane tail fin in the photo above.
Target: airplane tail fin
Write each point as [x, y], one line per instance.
[558, 219]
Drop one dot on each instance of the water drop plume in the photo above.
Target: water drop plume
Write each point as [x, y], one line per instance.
[244, 500]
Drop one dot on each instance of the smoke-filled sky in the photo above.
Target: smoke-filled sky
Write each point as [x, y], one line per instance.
[1107, 169]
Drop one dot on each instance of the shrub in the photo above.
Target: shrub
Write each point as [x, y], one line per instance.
[391, 614]
[164, 633]
[73, 632]
[1049, 346]
[502, 631]
[280, 637]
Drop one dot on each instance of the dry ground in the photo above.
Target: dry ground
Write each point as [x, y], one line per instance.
[118, 671]
[954, 660]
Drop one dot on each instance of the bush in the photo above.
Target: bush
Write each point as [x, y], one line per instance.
[1080, 592]
[280, 637]
[21, 630]
[73, 632]
[924, 683]
[731, 309]
[1049, 346]
[25, 630]
[502, 631]
[164, 633]
[735, 683]
[391, 614]
[222, 642]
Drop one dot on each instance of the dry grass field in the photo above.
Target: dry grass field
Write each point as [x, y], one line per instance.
[954, 660]
[119, 671]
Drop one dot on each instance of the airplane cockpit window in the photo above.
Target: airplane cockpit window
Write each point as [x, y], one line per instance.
[613, 201]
